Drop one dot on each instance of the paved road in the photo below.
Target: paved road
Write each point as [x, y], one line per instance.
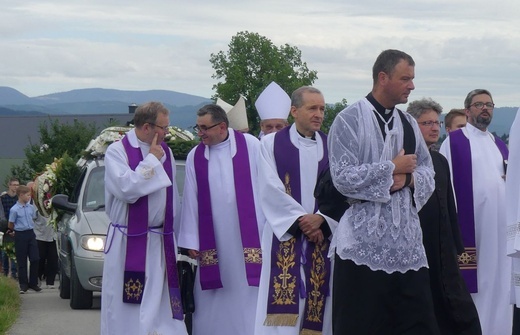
[45, 313]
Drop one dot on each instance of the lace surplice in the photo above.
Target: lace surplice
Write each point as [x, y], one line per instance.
[383, 231]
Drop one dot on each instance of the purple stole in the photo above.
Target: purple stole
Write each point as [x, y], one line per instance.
[208, 262]
[285, 283]
[137, 233]
[463, 185]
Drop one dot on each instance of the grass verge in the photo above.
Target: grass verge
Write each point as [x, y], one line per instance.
[9, 303]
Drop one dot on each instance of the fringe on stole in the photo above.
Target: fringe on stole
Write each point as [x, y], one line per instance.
[281, 320]
[310, 332]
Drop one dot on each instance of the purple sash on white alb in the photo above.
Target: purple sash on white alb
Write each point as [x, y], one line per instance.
[463, 184]
[137, 233]
[285, 284]
[208, 262]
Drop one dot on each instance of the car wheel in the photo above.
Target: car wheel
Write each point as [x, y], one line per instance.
[64, 284]
[79, 297]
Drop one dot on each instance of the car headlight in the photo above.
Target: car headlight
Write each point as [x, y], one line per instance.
[93, 242]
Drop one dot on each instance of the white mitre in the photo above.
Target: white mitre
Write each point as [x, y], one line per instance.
[237, 115]
[273, 103]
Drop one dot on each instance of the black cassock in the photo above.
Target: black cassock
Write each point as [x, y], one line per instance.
[454, 308]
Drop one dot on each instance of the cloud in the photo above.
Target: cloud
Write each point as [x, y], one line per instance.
[58, 45]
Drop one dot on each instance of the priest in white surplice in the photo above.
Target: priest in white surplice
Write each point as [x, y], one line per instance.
[221, 224]
[140, 286]
[296, 279]
[513, 214]
[478, 163]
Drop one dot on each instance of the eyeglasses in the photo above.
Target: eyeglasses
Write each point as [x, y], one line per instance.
[164, 128]
[481, 105]
[431, 123]
[204, 129]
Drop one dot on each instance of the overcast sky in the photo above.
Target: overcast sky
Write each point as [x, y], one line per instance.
[61, 45]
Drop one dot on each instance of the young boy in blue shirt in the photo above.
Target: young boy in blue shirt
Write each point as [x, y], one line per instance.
[21, 224]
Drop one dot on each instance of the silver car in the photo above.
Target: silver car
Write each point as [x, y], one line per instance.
[82, 234]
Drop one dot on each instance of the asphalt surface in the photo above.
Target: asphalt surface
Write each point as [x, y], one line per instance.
[45, 313]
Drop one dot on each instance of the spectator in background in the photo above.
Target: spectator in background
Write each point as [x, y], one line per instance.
[454, 309]
[46, 239]
[21, 226]
[455, 119]
[8, 200]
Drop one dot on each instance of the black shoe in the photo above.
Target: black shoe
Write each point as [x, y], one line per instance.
[35, 288]
[23, 290]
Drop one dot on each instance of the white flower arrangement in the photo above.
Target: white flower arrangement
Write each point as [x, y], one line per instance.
[176, 133]
[44, 188]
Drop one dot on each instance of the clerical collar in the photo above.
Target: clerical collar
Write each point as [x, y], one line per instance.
[313, 137]
[385, 113]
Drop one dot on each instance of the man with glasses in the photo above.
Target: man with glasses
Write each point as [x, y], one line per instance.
[454, 309]
[221, 223]
[141, 292]
[478, 162]
[9, 199]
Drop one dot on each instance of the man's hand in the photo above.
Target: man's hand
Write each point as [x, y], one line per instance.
[316, 237]
[404, 163]
[156, 149]
[310, 223]
[194, 253]
[399, 180]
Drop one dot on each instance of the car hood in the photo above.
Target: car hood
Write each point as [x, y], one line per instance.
[97, 221]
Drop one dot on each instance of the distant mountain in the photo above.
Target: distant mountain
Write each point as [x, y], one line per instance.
[100, 101]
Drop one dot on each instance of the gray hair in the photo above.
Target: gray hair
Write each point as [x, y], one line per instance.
[419, 107]
[147, 113]
[218, 114]
[297, 95]
[387, 60]
[473, 93]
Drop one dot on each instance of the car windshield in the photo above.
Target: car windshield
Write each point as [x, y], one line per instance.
[95, 190]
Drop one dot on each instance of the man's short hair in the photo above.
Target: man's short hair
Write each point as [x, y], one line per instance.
[297, 95]
[12, 180]
[472, 94]
[419, 107]
[387, 60]
[22, 189]
[218, 114]
[147, 113]
[452, 114]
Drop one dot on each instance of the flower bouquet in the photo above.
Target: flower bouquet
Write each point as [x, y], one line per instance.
[98, 146]
[45, 189]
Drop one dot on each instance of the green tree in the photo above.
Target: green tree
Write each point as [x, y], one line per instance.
[56, 140]
[250, 64]
[330, 114]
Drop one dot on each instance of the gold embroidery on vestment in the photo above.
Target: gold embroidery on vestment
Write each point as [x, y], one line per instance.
[284, 283]
[176, 304]
[208, 257]
[316, 300]
[468, 259]
[287, 183]
[253, 255]
[133, 289]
